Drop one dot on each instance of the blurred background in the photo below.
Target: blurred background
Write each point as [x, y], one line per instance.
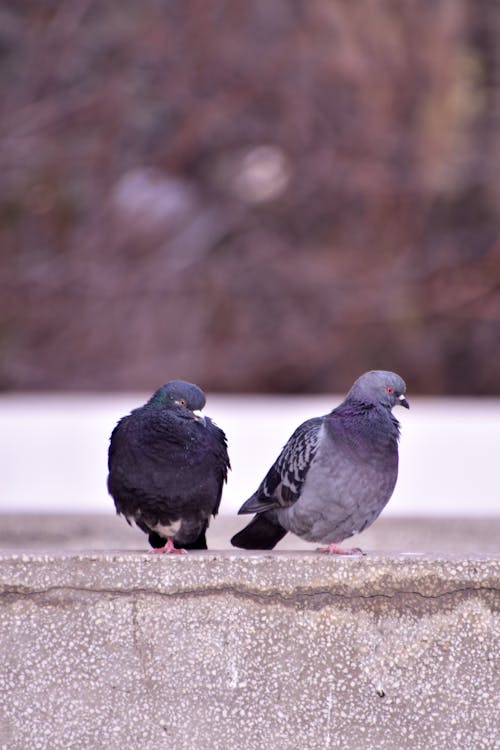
[263, 198]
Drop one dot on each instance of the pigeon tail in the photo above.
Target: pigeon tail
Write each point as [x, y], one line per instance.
[155, 540]
[199, 543]
[261, 533]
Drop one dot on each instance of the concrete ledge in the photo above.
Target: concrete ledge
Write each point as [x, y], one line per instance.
[64, 532]
[234, 650]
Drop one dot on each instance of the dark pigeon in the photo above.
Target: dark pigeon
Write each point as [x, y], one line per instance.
[335, 474]
[167, 466]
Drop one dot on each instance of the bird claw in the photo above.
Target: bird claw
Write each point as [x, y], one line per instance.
[168, 549]
[334, 549]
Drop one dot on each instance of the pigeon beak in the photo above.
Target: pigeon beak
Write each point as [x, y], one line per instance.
[404, 402]
[198, 416]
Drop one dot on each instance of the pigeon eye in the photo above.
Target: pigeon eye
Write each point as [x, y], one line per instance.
[389, 389]
[181, 402]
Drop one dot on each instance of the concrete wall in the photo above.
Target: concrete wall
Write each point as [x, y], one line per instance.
[259, 651]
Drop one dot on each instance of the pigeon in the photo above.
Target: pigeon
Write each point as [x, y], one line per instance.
[335, 474]
[167, 466]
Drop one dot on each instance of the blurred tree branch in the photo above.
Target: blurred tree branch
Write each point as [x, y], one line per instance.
[264, 196]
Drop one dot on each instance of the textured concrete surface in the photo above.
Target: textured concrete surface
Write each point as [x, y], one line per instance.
[76, 531]
[245, 650]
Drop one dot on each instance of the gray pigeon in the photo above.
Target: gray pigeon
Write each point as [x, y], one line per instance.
[335, 474]
[167, 467]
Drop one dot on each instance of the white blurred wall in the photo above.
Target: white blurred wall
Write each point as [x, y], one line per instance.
[53, 450]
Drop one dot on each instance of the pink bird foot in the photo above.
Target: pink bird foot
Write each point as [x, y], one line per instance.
[334, 549]
[168, 549]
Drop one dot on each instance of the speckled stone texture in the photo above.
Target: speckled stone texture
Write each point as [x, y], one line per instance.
[250, 651]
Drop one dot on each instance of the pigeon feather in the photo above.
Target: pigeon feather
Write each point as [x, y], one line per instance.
[283, 482]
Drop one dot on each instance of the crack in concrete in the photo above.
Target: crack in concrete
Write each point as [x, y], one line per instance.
[315, 598]
[138, 644]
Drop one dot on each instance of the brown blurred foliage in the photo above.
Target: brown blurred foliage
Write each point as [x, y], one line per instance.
[256, 196]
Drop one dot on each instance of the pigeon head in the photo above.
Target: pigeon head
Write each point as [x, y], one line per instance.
[379, 387]
[186, 398]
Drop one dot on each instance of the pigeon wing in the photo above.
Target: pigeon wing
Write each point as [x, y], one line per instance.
[118, 441]
[283, 482]
[219, 447]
